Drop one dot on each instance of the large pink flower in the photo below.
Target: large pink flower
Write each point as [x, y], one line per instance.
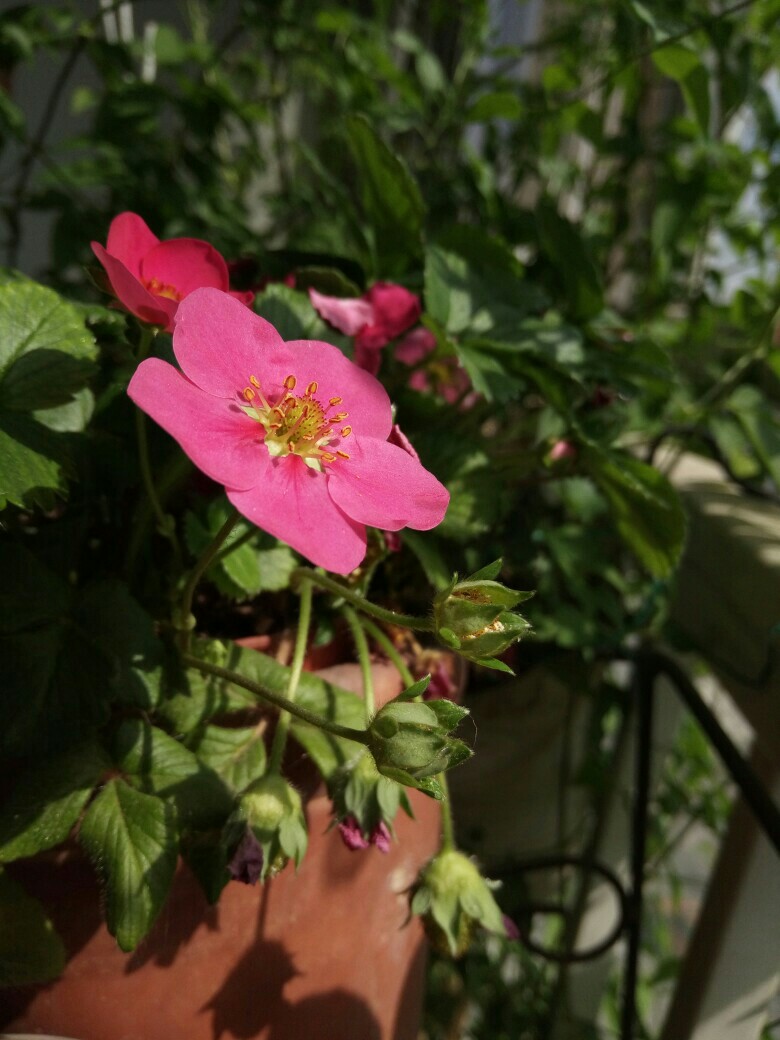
[295, 431]
[376, 317]
[151, 277]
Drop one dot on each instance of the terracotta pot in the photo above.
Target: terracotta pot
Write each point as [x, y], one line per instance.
[321, 954]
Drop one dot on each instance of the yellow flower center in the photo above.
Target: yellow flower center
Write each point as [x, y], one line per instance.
[298, 424]
[158, 288]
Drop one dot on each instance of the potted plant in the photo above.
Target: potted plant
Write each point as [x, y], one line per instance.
[179, 477]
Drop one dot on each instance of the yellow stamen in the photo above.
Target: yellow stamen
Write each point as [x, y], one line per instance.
[336, 400]
[328, 457]
[340, 417]
[254, 381]
[290, 382]
[249, 393]
[311, 388]
[342, 455]
[346, 431]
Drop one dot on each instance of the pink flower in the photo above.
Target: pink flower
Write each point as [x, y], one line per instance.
[354, 839]
[150, 277]
[562, 450]
[443, 376]
[441, 686]
[296, 433]
[376, 317]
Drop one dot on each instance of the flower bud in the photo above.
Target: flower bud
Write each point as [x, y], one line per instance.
[409, 739]
[269, 816]
[365, 803]
[474, 616]
[453, 898]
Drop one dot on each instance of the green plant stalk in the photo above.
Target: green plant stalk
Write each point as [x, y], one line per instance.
[419, 624]
[389, 650]
[285, 718]
[164, 522]
[364, 659]
[204, 560]
[447, 824]
[277, 699]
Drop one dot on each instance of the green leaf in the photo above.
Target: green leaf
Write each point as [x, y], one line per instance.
[68, 655]
[565, 248]
[293, 316]
[162, 766]
[47, 800]
[392, 202]
[500, 104]
[131, 839]
[237, 756]
[46, 357]
[31, 951]
[645, 506]
[684, 65]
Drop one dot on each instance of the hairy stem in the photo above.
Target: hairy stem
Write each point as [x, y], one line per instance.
[419, 624]
[364, 658]
[276, 699]
[301, 641]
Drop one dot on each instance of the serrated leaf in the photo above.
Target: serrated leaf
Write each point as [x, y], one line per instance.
[646, 508]
[46, 356]
[392, 202]
[47, 801]
[131, 839]
[237, 756]
[31, 951]
[162, 766]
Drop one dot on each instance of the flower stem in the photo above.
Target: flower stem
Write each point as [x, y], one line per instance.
[389, 650]
[301, 641]
[364, 658]
[165, 523]
[447, 825]
[278, 701]
[419, 624]
[204, 560]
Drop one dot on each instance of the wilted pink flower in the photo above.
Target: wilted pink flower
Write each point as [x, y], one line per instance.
[150, 277]
[376, 317]
[512, 931]
[562, 450]
[354, 839]
[441, 685]
[296, 432]
[246, 864]
[443, 376]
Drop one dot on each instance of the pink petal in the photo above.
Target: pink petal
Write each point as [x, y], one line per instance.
[156, 310]
[348, 316]
[383, 486]
[351, 834]
[129, 240]
[186, 264]
[395, 308]
[245, 296]
[219, 342]
[399, 438]
[368, 359]
[363, 397]
[415, 346]
[380, 837]
[293, 503]
[219, 438]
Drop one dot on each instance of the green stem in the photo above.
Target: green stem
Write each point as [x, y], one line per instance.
[247, 536]
[419, 624]
[165, 523]
[301, 641]
[447, 825]
[278, 701]
[364, 658]
[389, 650]
[185, 624]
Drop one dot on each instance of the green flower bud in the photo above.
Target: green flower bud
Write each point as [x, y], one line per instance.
[365, 802]
[474, 616]
[271, 810]
[453, 898]
[409, 739]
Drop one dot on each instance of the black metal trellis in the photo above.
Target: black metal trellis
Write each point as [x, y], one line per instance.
[649, 665]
